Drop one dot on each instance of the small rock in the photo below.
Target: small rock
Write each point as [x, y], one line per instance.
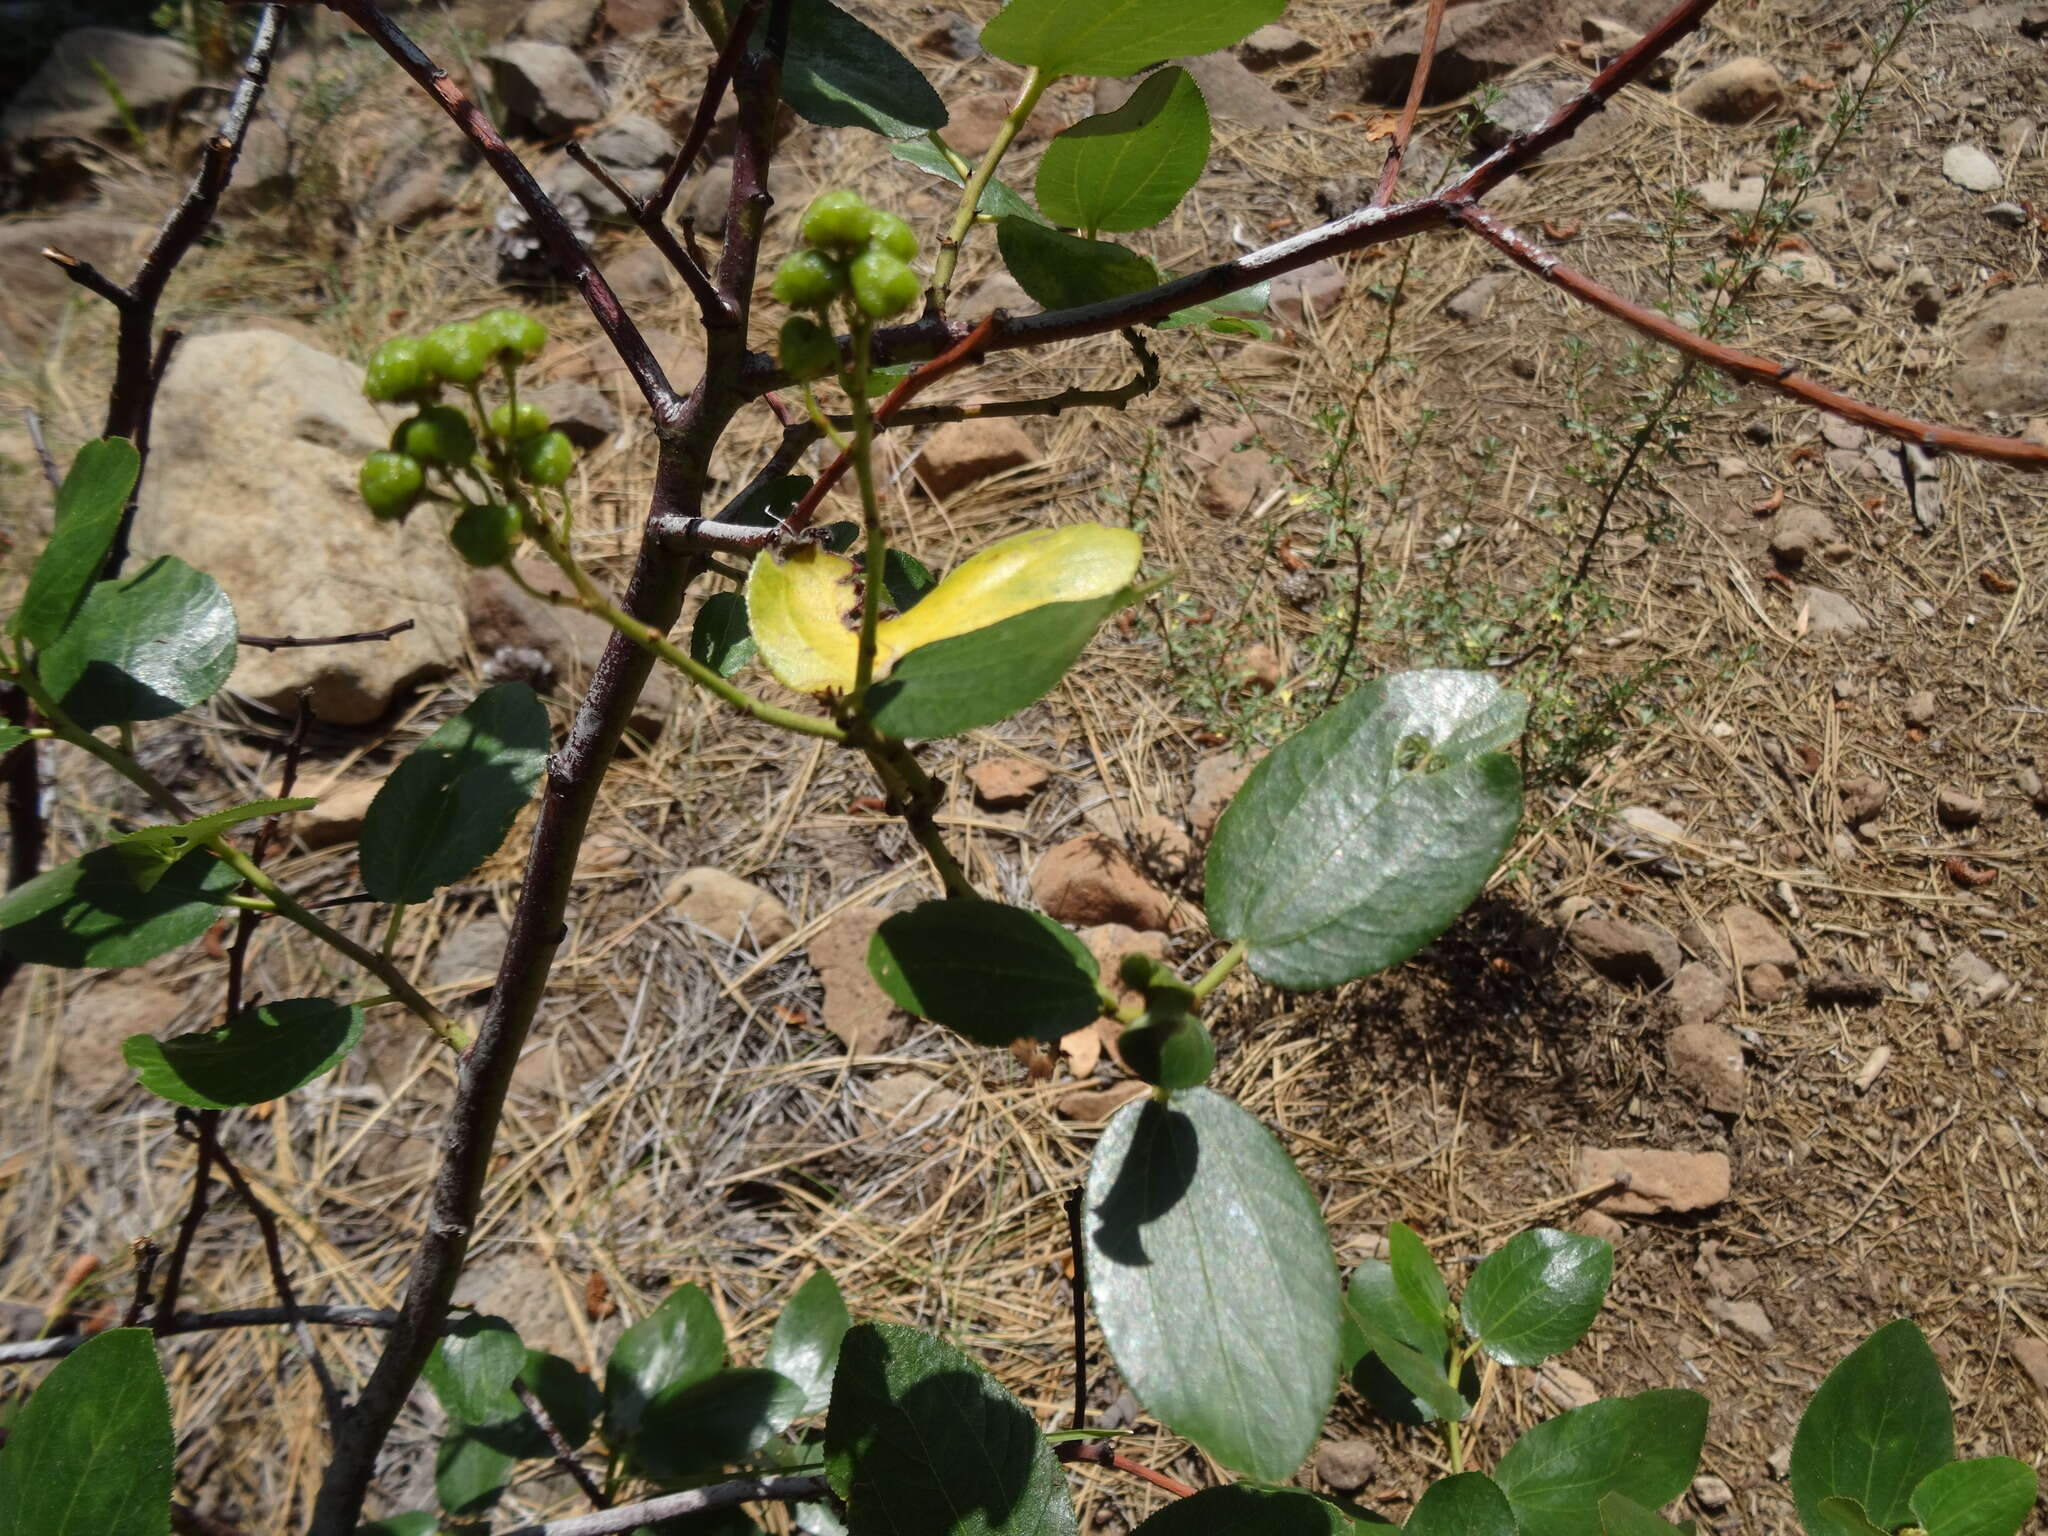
[856, 1010]
[1958, 810]
[1767, 983]
[2028, 783]
[1092, 1106]
[1780, 1462]
[1862, 796]
[469, 955]
[728, 908]
[1236, 95]
[544, 87]
[1162, 847]
[1799, 533]
[2003, 355]
[900, 1101]
[1630, 954]
[1977, 978]
[1273, 46]
[632, 143]
[1830, 613]
[975, 121]
[1698, 994]
[1259, 666]
[2031, 1356]
[1872, 1069]
[1919, 709]
[1090, 880]
[1217, 779]
[1564, 1387]
[1745, 1317]
[1347, 1465]
[1642, 821]
[964, 453]
[1306, 293]
[1740, 91]
[1005, 783]
[1707, 1061]
[1473, 302]
[1109, 943]
[1711, 1494]
[97, 1017]
[1970, 168]
[1656, 1182]
[1733, 195]
[1476, 43]
[567, 23]
[952, 36]
[1744, 937]
[1842, 986]
[2007, 215]
[1597, 1223]
[338, 818]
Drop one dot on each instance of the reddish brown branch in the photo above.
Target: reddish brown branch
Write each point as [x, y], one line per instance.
[1101, 1454]
[1771, 374]
[1432, 24]
[715, 84]
[711, 305]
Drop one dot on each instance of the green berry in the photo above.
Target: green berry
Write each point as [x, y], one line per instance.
[532, 421]
[398, 371]
[486, 535]
[888, 233]
[808, 280]
[1172, 1051]
[808, 350]
[547, 459]
[458, 354]
[837, 221]
[440, 434]
[513, 331]
[391, 483]
[883, 285]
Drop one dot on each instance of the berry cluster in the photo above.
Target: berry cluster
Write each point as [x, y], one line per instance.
[857, 255]
[485, 449]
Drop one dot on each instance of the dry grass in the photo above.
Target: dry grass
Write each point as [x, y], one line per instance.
[682, 1116]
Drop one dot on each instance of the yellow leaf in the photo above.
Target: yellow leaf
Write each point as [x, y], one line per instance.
[805, 609]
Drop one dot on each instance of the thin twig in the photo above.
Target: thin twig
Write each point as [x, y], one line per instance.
[1432, 23]
[146, 1255]
[188, 1228]
[708, 102]
[1075, 1197]
[673, 1506]
[289, 642]
[565, 1453]
[34, 424]
[1102, 1454]
[711, 305]
[184, 1323]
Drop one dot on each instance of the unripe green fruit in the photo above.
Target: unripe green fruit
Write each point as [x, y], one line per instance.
[1137, 970]
[486, 535]
[513, 331]
[391, 483]
[440, 434]
[1172, 1050]
[807, 280]
[459, 354]
[398, 371]
[883, 285]
[837, 221]
[807, 348]
[547, 459]
[886, 232]
[532, 421]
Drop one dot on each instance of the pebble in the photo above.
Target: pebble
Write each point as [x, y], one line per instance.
[1958, 810]
[1970, 168]
[1711, 1494]
[2007, 215]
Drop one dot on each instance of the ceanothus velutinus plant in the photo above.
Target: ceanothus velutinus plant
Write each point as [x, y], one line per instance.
[1349, 847]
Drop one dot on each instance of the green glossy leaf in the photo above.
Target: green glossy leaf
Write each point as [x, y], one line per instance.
[838, 73]
[90, 1455]
[676, 1345]
[1623, 1516]
[471, 1468]
[720, 637]
[90, 912]
[1877, 1426]
[11, 736]
[1469, 1504]
[1119, 37]
[1537, 1294]
[151, 851]
[1841, 1517]
[448, 806]
[1419, 1283]
[1062, 271]
[1235, 314]
[921, 1439]
[1646, 1447]
[418, 1522]
[805, 1344]
[692, 1432]
[1425, 1377]
[965, 681]
[905, 579]
[999, 200]
[89, 507]
[261, 1054]
[1378, 1302]
[473, 1366]
[1239, 1509]
[1363, 836]
[1213, 1279]
[1985, 1496]
[566, 1391]
[1128, 169]
[993, 973]
[1375, 1315]
[146, 647]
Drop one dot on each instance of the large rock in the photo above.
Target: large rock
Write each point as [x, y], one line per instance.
[252, 479]
[728, 908]
[34, 290]
[964, 453]
[517, 637]
[1089, 880]
[1232, 92]
[1655, 1182]
[1740, 91]
[857, 1010]
[1631, 954]
[2004, 355]
[67, 97]
[544, 87]
[1483, 41]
